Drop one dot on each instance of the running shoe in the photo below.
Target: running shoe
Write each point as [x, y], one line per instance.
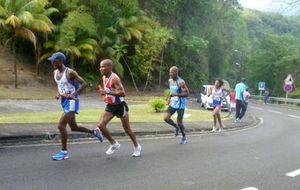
[112, 148]
[137, 151]
[184, 140]
[176, 131]
[98, 134]
[220, 130]
[61, 155]
[213, 129]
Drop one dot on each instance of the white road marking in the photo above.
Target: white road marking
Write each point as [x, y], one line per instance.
[256, 108]
[250, 188]
[294, 116]
[293, 173]
[278, 112]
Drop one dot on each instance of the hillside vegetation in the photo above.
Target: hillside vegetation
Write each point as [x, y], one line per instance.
[205, 39]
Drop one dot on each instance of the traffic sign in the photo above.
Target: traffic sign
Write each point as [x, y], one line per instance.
[289, 79]
[288, 88]
[261, 85]
[288, 84]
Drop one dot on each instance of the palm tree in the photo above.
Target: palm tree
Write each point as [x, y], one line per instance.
[74, 38]
[85, 48]
[23, 19]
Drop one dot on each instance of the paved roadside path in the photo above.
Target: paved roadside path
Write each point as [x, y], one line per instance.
[48, 131]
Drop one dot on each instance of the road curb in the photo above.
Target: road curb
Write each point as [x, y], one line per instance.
[55, 137]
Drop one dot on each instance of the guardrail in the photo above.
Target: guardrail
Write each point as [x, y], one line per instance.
[278, 99]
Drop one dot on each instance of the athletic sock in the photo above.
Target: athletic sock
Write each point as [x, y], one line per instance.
[171, 122]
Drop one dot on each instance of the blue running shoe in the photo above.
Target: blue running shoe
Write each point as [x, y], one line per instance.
[184, 140]
[61, 155]
[176, 131]
[98, 134]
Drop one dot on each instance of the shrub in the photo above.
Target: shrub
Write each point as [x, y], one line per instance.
[295, 93]
[167, 93]
[158, 105]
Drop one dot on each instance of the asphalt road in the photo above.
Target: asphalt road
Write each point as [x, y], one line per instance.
[255, 158]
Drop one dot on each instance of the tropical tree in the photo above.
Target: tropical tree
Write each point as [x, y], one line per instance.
[24, 19]
[74, 37]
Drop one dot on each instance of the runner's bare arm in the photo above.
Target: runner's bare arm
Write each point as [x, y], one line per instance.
[119, 89]
[57, 96]
[209, 91]
[184, 90]
[101, 90]
[74, 76]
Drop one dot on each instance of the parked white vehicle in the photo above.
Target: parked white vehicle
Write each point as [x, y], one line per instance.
[207, 101]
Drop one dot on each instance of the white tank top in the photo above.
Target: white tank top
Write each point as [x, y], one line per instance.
[217, 94]
[63, 85]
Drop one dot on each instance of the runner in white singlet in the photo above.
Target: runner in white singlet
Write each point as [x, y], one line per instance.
[68, 81]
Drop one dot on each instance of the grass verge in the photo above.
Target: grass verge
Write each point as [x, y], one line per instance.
[137, 113]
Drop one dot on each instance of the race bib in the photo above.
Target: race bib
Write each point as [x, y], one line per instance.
[217, 98]
[63, 89]
[109, 99]
[175, 99]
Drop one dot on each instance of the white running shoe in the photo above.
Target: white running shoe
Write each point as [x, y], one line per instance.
[219, 130]
[213, 129]
[137, 151]
[112, 148]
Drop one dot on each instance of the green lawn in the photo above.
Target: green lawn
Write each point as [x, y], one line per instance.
[138, 113]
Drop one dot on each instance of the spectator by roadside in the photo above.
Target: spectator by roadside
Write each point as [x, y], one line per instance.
[267, 96]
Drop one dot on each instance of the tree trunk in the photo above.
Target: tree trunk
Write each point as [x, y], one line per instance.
[133, 81]
[37, 57]
[147, 81]
[15, 65]
[160, 68]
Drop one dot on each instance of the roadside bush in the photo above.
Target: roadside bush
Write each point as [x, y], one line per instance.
[295, 93]
[167, 93]
[157, 105]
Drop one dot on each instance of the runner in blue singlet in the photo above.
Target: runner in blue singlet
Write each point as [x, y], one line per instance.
[177, 102]
[68, 88]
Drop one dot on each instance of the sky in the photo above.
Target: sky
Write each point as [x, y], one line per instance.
[263, 5]
[268, 5]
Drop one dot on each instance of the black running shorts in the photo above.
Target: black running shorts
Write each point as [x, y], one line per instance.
[180, 112]
[119, 110]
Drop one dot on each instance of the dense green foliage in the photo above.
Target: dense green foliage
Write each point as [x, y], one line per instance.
[205, 39]
[274, 49]
[157, 105]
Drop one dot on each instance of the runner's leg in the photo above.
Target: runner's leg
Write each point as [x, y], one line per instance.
[105, 119]
[127, 129]
[74, 127]
[215, 111]
[180, 114]
[167, 117]
[218, 116]
[65, 118]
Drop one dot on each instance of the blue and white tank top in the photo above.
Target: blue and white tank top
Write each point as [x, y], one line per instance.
[176, 101]
[64, 86]
[217, 94]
